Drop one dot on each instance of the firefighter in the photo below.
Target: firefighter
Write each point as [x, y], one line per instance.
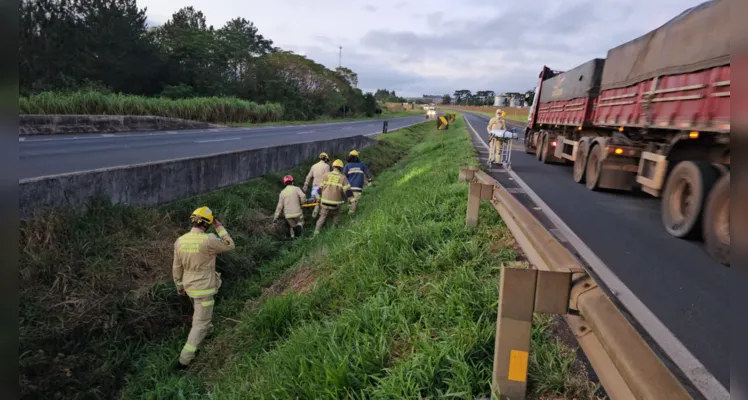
[356, 171]
[496, 123]
[289, 203]
[316, 173]
[334, 190]
[194, 271]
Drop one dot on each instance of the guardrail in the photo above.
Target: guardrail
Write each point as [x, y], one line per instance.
[625, 364]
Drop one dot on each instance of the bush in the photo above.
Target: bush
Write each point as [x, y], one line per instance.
[207, 109]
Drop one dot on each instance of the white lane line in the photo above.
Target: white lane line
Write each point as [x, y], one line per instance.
[21, 139]
[217, 140]
[394, 129]
[107, 135]
[303, 132]
[691, 367]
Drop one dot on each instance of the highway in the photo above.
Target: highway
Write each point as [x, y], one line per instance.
[59, 154]
[675, 280]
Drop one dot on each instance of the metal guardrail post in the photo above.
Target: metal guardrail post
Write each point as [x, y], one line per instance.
[513, 330]
[522, 293]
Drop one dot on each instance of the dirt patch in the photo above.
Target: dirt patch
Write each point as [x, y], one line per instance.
[582, 367]
[298, 280]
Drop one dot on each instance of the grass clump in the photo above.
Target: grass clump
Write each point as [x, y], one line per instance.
[96, 292]
[398, 302]
[207, 109]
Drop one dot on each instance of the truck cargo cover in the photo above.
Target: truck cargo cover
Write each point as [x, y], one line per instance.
[580, 82]
[697, 39]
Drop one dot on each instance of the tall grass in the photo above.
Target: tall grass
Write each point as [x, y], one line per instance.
[207, 109]
[398, 302]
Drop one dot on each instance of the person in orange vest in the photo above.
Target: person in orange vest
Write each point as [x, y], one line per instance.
[289, 203]
[194, 272]
[334, 190]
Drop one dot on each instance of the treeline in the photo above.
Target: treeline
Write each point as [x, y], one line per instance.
[106, 46]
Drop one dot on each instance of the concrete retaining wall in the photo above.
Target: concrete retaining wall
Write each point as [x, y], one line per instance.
[58, 124]
[157, 183]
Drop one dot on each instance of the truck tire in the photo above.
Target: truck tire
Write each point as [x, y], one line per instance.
[594, 168]
[539, 146]
[684, 197]
[717, 221]
[580, 162]
[545, 149]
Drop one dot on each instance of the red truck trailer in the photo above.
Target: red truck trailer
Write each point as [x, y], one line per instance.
[655, 114]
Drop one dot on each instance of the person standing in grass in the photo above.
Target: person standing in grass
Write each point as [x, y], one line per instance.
[356, 171]
[315, 175]
[289, 203]
[194, 271]
[334, 190]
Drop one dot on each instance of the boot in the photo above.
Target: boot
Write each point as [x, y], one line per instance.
[296, 231]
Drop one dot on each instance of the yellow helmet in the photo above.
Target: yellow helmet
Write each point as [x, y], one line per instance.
[353, 153]
[337, 163]
[323, 156]
[202, 214]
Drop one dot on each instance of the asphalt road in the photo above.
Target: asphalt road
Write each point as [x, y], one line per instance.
[58, 154]
[675, 279]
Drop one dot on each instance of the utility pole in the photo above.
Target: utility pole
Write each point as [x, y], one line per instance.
[340, 68]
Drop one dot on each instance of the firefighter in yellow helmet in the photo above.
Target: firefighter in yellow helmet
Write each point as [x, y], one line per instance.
[334, 190]
[315, 175]
[358, 176]
[289, 203]
[495, 123]
[195, 275]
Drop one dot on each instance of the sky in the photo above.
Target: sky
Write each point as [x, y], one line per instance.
[439, 46]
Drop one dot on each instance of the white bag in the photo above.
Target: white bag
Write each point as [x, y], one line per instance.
[500, 134]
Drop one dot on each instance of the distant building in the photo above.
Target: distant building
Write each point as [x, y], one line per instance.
[509, 100]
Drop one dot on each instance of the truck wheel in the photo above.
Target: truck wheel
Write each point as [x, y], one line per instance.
[539, 146]
[717, 221]
[546, 149]
[684, 196]
[580, 162]
[594, 168]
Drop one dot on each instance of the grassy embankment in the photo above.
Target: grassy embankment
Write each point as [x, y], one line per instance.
[219, 110]
[399, 302]
[512, 113]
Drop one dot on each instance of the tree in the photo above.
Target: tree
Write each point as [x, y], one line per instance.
[462, 95]
[446, 99]
[349, 76]
[241, 45]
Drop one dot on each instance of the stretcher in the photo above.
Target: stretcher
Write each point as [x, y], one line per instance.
[500, 148]
[311, 201]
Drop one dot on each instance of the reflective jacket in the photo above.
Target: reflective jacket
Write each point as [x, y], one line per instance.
[496, 123]
[355, 172]
[194, 265]
[289, 202]
[334, 189]
[316, 173]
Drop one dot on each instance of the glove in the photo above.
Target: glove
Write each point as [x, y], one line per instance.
[303, 189]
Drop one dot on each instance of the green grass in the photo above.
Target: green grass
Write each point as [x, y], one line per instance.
[95, 288]
[208, 109]
[322, 120]
[398, 302]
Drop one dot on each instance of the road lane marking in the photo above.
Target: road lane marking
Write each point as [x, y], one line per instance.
[303, 132]
[691, 367]
[21, 139]
[107, 134]
[217, 140]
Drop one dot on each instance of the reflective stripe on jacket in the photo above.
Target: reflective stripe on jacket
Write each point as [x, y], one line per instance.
[289, 202]
[334, 188]
[317, 173]
[194, 265]
[356, 172]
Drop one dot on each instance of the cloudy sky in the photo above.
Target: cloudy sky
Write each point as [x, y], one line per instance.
[438, 46]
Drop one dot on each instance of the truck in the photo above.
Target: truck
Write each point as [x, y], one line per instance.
[654, 115]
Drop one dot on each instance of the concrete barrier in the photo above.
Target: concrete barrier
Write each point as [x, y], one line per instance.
[59, 124]
[162, 182]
